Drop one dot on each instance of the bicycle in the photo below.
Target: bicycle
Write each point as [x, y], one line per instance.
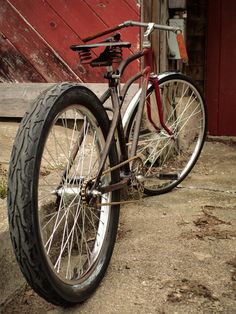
[70, 162]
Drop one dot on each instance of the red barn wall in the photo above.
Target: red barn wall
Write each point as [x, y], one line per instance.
[35, 37]
[221, 67]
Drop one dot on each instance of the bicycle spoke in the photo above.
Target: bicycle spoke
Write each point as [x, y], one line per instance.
[183, 114]
[73, 232]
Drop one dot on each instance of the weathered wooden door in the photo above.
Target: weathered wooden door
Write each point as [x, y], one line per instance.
[35, 36]
[221, 67]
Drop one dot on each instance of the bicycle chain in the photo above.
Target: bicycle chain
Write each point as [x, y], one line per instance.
[135, 190]
[83, 192]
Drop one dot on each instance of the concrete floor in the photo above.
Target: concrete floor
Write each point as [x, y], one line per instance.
[175, 253]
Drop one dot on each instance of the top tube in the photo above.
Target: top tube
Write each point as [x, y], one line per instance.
[133, 23]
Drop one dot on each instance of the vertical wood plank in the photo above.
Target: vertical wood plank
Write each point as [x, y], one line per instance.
[152, 13]
[213, 64]
[163, 62]
[227, 107]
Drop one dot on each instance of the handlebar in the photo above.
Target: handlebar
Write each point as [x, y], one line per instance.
[178, 31]
[128, 24]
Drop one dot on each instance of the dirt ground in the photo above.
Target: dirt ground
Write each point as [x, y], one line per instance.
[175, 253]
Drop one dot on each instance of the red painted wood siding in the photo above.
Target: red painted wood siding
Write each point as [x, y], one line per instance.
[35, 37]
[221, 67]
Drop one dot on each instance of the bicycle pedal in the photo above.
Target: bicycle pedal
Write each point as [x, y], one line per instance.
[168, 176]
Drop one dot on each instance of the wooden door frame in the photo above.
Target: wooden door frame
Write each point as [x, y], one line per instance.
[212, 82]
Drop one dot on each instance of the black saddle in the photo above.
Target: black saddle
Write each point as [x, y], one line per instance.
[112, 52]
[104, 44]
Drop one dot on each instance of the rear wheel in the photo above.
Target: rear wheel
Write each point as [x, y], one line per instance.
[167, 159]
[63, 241]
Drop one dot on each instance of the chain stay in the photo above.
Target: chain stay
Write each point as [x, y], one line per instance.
[122, 183]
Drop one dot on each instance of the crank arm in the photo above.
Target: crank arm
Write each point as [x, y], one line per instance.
[113, 187]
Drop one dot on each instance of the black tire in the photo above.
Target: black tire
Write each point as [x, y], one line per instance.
[62, 245]
[185, 115]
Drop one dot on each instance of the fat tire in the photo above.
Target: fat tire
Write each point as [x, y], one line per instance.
[22, 195]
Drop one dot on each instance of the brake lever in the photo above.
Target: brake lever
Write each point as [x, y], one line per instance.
[149, 29]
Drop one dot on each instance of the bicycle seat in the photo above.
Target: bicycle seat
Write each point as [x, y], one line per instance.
[111, 54]
[120, 44]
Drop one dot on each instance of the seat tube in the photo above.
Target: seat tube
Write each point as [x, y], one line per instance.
[110, 136]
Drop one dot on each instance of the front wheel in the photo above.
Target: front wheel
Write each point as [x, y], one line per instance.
[62, 241]
[167, 159]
